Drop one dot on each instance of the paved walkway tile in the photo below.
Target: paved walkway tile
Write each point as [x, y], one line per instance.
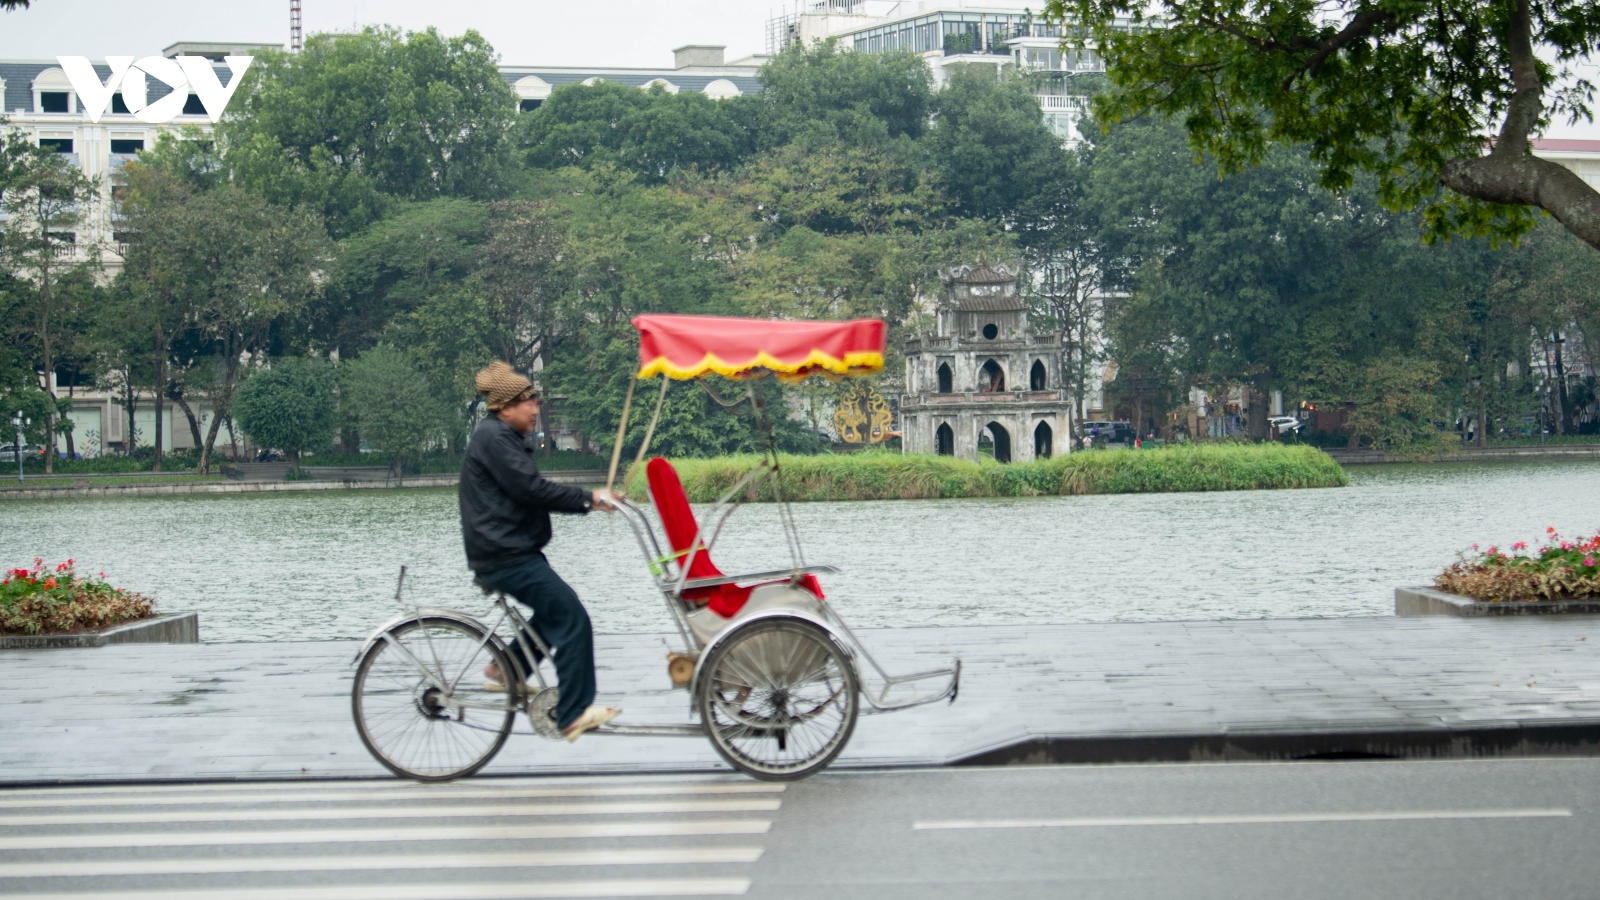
[282, 709]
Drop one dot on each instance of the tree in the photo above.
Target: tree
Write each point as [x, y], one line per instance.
[1408, 92]
[43, 194]
[288, 407]
[396, 265]
[228, 265]
[650, 133]
[522, 275]
[1541, 292]
[1394, 404]
[387, 397]
[822, 95]
[153, 301]
[990, 145]
[1262, 280]
[840, 189]
[234, 267]
[1059, 236]
[356, 121]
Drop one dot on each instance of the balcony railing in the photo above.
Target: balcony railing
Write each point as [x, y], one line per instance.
[1062, 102]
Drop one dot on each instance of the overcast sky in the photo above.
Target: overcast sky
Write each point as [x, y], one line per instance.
[526, 32]
[638, 33]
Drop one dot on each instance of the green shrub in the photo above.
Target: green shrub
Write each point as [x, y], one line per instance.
[879, 475]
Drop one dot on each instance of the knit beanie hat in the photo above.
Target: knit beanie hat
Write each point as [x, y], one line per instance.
[502, 386]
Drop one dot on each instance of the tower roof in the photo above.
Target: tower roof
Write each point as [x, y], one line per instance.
[983, 288]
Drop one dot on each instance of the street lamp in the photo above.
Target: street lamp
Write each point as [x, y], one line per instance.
[20, 422]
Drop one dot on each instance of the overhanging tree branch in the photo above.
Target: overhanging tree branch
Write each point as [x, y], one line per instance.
[1509, 173]
[1362, 25]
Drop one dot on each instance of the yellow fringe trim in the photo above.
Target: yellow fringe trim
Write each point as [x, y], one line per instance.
[817, 363]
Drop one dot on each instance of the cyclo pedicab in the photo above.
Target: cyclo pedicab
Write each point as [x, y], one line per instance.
[772, 671]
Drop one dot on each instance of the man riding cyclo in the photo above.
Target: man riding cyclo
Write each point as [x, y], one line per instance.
[505, 525]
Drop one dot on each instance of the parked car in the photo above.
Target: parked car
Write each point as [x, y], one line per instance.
[8, 452]
[1285, 425]
[1103, 434]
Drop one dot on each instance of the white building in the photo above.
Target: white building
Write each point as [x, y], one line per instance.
[947, 34]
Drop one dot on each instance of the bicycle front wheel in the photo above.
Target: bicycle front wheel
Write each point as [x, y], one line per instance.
[421, 703]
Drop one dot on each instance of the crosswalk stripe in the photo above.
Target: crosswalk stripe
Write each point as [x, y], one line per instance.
[622, 887]
[631, 857]
[370, 785]
[405, 812]
[8, 800]
[1253, 819]
[373, 835]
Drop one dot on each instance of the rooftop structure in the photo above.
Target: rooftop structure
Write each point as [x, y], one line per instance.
[696, 67]
[213, 50]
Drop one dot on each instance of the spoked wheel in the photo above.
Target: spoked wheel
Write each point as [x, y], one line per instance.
[778, 699]
[420, 703]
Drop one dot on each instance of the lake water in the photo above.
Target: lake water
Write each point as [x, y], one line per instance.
[322, 564]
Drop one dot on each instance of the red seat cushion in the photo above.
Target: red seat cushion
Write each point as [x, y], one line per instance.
[683, 532]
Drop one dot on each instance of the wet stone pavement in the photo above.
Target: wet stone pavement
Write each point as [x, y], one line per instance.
[255, 710]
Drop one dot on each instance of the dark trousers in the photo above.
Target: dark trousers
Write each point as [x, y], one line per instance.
[561, 621]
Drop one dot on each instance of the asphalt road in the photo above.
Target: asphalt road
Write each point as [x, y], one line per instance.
[1446, 829]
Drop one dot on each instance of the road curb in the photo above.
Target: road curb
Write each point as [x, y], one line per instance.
[262, 487]
[1580, 738]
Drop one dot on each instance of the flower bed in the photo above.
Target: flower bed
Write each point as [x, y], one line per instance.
[1562, 569]
[40, 600]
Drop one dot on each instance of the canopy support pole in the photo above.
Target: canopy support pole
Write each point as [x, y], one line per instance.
[622, 430]
[763, 420]
[651, 431]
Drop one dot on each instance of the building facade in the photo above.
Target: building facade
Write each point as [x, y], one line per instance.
[993, 36]
[984, 373]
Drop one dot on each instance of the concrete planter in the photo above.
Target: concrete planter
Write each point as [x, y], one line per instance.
[1427, 601]
[176, 628]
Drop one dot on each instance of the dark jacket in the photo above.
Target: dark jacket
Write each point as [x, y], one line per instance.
[505, 502]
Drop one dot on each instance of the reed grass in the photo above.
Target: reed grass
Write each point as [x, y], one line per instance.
[879, 475]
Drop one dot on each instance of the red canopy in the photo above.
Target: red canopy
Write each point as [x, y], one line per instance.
[684, 347]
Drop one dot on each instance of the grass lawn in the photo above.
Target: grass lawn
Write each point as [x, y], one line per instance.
[880, 475]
